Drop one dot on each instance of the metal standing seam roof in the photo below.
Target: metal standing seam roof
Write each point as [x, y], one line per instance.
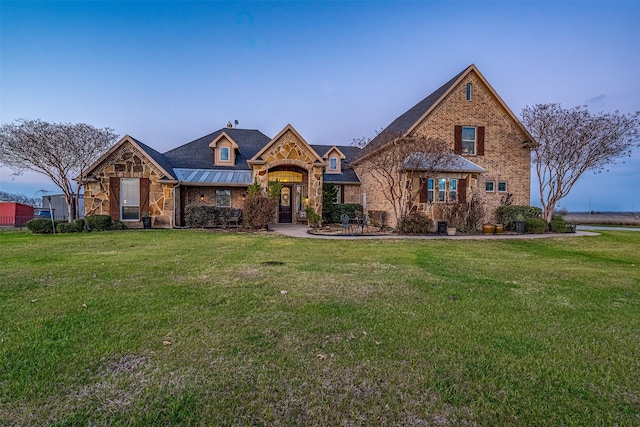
[214, 176]
[454, 163]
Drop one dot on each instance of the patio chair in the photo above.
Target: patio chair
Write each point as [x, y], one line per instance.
[344, 219]
[234, 217]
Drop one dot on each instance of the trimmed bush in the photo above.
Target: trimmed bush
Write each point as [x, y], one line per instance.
[535, 225]
[349, 209]
[508, 215]
[40, 226]
[80, 224]
[67, 227]
[559, 225]
[198, 216]
[98, 222]
[415, 223]
[118, 225]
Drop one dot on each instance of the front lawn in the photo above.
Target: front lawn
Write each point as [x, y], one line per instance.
[167, 327]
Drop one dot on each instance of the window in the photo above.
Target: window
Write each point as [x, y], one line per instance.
[468, 140]
[333, 163]
[468, 91]
[338, 193]
[442, 189]
[285, 176]
[430, 190]
[453, 190]
[223, 198]
[502, 187]
[130, 199]
[224, 154]
[489, 186]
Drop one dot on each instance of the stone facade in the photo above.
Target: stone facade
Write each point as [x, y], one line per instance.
[289, 149]
[129, 162]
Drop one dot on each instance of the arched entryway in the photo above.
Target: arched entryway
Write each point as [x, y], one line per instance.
[294, 195]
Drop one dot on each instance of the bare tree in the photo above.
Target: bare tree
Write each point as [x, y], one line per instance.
[569, 142]
[394, 161]
[61, 151]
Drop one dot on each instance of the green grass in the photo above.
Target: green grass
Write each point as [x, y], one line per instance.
[168, 327]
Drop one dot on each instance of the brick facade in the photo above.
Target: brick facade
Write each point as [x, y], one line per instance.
[505, 158]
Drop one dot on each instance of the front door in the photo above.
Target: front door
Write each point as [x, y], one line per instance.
[284, 212]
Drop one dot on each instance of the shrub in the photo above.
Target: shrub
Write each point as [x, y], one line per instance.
[559, 225]
[312, 216]
[67, 227]
[118, 225]
[258, 211]
[329, 195]
[40, 226]
[535, 225]
[98, 222]
[415, 223]
[199, 216]
[80, 224]
[508, 215]
[349, 209]
[465, 216]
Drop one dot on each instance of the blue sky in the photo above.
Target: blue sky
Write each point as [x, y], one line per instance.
[169, 72]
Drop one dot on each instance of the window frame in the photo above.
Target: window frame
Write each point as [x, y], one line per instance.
[467, 141]
[219, 196]
[132, 207]
[493, 186]
[469, 91]
[225, 154]
[506, 186]
[442, 190]
[333, 163]
[453, 192]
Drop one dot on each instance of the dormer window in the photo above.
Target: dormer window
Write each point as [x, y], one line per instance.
[334, 158]
[224, 150]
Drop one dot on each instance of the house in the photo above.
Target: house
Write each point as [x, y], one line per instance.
[490, 151]
[132, 179]
[486, 140]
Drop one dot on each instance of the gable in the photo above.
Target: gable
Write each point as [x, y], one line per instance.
[413, 121]
[130, 154]
[288, 145]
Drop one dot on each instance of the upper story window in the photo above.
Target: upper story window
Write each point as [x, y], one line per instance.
[333, 163]
[224, 154]
[469, 90]
[468, 140]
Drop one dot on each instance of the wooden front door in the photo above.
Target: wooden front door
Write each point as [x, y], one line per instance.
[284, 210]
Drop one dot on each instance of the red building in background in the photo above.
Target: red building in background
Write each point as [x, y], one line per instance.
[15, 214]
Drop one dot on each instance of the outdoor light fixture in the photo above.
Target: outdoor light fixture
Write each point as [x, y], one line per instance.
[201, 197]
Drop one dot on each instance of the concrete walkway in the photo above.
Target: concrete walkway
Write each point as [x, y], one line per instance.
[294, 230]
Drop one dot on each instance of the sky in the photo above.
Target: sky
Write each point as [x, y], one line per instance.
[167, 73]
